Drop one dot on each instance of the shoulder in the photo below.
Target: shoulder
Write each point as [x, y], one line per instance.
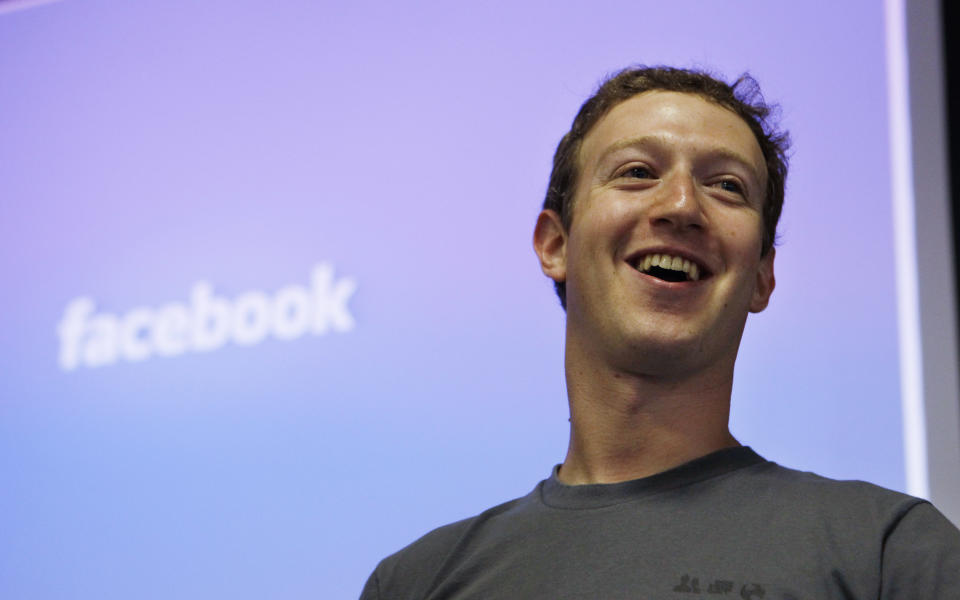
[850, 529]
[412, 569]
[852, 509]
[783, 485]
[767, 499]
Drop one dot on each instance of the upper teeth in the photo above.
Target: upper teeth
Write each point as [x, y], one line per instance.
[674, 263]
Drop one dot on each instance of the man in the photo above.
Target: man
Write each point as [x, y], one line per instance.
[658, 231]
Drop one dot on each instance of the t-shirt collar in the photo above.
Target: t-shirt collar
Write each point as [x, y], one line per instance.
[557, 494]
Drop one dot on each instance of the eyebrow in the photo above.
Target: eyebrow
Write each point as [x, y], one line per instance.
[658, 141]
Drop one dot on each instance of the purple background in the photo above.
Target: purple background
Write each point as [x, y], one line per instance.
[146, 146]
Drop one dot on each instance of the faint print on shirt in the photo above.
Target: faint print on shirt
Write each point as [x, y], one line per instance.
[721, 587]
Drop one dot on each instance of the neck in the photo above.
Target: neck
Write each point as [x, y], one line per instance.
[626, 425]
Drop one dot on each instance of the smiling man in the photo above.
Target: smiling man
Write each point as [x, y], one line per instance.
[658, 231]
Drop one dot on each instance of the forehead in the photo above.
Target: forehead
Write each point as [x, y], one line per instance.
[683, 121]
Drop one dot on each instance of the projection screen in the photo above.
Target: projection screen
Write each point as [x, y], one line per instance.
[271, 309]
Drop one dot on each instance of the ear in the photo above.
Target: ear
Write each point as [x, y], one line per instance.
[765, 283]
[550, 243]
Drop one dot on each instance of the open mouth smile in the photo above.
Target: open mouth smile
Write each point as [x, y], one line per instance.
[669, 267]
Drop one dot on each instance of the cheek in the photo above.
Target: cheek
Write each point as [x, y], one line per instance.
[606, 220]
[598, 239]
[744, 234]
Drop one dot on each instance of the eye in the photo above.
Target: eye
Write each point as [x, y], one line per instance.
[638, 172]
[732, 186]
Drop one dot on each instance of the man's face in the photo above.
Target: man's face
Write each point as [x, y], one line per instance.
[671, 179]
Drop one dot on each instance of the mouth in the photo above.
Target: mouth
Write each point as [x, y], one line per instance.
[669, 267]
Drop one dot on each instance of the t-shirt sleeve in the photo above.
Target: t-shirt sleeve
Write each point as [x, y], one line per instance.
[371, 591]
[921, 556]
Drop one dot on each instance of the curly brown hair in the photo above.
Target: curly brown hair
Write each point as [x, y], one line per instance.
[742, 97]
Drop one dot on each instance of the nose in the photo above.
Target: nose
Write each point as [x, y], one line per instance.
[678, 204]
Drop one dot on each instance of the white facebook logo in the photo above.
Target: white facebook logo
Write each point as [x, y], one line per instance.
[207, 323]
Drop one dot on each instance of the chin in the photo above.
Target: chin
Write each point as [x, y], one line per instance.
[677, 353]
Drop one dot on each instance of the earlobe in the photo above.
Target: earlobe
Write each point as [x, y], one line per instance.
[765, 283]
[550, 244]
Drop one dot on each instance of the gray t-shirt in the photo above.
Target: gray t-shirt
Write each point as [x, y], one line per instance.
[728, 525]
